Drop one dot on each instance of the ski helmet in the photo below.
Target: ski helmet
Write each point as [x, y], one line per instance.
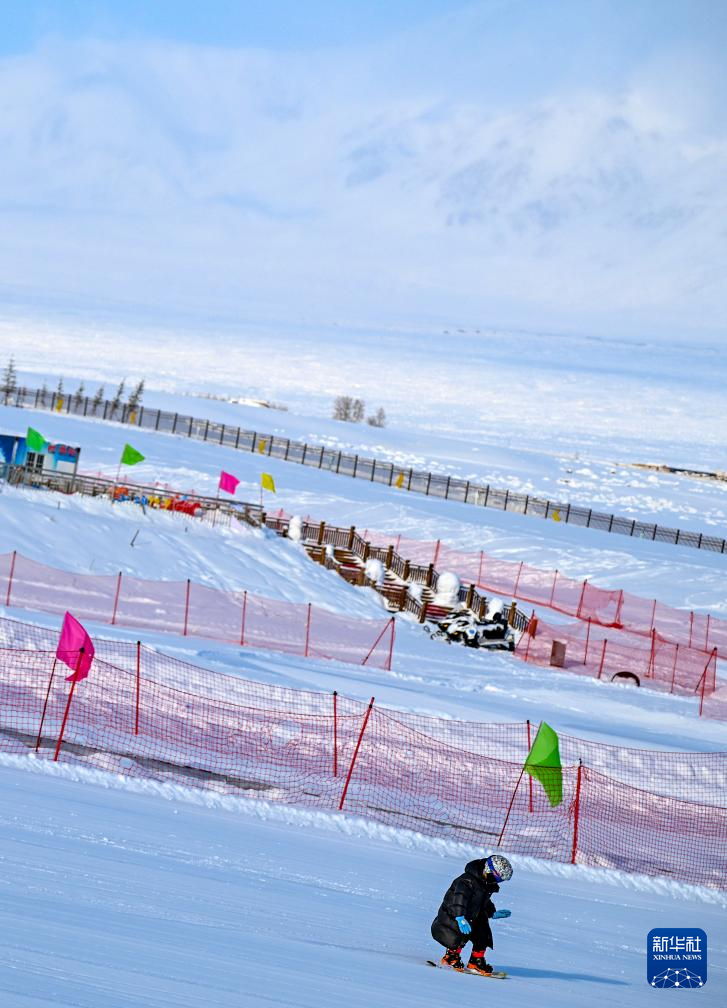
[500, 867]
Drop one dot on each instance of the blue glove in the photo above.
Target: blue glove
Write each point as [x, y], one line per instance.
[463, 925]
[499, 914]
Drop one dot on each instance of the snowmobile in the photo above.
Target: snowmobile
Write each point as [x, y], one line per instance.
[464, 628]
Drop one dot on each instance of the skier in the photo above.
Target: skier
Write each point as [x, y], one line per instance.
[466, 911]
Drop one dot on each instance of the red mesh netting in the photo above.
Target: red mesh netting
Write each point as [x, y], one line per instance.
[611, 608]
[153, 716]
[615, 656]
[187, 608]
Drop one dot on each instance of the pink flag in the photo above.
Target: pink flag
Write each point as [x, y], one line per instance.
[73, 638]
[228, 482]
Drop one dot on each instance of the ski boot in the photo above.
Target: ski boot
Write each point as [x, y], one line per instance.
[452, 960]
[477, 964]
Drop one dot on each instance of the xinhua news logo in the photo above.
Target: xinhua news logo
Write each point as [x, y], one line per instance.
[676, 957]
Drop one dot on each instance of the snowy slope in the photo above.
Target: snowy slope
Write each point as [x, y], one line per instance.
[142, 896]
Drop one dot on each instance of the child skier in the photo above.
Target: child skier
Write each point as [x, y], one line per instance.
[466, 911]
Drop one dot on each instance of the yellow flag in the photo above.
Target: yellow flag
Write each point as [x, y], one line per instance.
[399, 481]
[267, 482]
[59, 404]
[262, 445]
[556, 516]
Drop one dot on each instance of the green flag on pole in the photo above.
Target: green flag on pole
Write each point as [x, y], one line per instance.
[34, 441]
[543, 763]
[130, 456]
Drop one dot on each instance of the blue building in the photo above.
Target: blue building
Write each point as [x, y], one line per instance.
[55, 458]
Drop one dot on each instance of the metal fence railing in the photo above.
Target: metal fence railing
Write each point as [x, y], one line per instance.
[357, 466]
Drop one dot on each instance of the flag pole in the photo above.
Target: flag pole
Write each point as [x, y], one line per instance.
[509, 807]
[68, 705]
[45, 705]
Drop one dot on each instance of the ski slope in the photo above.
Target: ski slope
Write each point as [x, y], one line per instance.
[136, 895]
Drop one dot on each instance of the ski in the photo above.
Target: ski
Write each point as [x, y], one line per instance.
[497, 975]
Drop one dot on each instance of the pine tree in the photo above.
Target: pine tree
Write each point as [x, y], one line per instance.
[44, 394]
[98, 399]
[136, 395]
[10, 377]
[118, 398]
[78, 397]
[59, 390]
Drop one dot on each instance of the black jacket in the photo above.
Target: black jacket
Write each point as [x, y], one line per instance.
[468, 897]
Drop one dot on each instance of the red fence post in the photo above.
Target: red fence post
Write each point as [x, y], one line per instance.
[653, 616]
[391, 645]
[307, 630]
[355, 753]
[691, 626]
[186, 610]
[335, 733]
[588, 637]
[509, 807]
[576, 813]
[530, 779]
[138, 686]
[436, 552]
[68, 706]
[603, 659]
[552, 590]
[652, 656]
[580, 602]
[116, 599]
[244, 614]
[712, 658]
[45, 705]
[479, 570]
[706, 635]
[674, 668]
[10, 577]
[517, 579]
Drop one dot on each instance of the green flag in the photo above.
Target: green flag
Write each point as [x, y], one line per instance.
[130, 456]
[34, 441]
[543, 763]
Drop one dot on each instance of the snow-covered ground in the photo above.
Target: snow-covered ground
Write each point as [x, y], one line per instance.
[560, 417]
[94, 536]
[141, 895]
[135, 895]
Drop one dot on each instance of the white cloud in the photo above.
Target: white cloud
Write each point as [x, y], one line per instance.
[218, 180]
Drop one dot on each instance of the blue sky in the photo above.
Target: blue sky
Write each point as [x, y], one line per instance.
[266, 23]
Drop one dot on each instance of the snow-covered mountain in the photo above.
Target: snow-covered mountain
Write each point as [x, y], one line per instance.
[455, 170]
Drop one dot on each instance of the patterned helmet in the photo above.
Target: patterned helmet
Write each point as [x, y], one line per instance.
[500, 867]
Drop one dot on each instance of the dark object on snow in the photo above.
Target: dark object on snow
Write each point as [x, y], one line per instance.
[468, 896]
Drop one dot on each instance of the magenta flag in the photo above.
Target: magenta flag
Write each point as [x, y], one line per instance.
[73, 638]
[228, 482]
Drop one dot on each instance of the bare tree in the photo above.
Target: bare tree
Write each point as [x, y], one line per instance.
[378, 419]
[358, 410]
[44, 394]
[342, 408]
